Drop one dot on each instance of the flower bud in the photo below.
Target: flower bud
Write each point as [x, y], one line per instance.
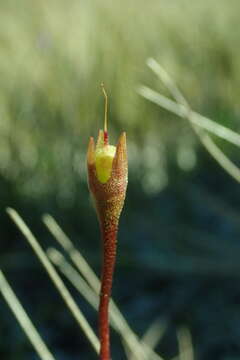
[107, 174]
[104, 156]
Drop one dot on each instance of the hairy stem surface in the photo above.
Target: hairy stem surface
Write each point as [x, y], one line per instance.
[109, 238]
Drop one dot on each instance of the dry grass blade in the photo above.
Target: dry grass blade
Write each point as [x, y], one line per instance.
[71, 304]
[81, 285]
[219, 155]
[24, 320]
[185, 345]
[76, 257]
[154, 333]
[167, 81]
[152, 336]
[196, 118]
[73, 276]
[137, 349]
[204, 138]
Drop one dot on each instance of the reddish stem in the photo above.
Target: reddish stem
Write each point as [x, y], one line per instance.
[109, 237]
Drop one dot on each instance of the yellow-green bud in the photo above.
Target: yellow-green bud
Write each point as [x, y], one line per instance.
[103, 159]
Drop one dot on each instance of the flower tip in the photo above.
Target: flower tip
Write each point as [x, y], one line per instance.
[91, 151]
[122, 145]
[123, 139]
[120, 163]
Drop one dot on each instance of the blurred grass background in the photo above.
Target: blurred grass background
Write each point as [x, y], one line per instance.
[180, 225]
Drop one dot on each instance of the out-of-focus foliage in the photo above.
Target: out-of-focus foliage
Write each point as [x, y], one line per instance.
[55, 54]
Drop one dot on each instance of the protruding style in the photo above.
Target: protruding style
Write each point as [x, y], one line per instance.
[105, 115]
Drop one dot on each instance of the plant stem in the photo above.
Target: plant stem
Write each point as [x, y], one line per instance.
[109, 239]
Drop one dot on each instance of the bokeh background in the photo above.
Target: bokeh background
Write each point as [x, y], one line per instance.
[179, 250]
